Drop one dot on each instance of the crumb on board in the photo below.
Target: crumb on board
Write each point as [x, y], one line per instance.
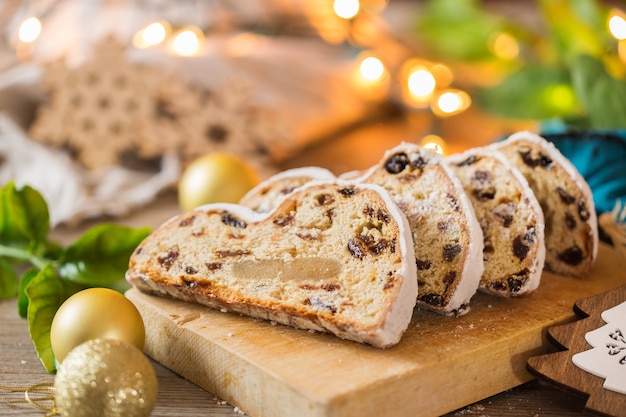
[471, 410]
[219, 401]
[236, 409]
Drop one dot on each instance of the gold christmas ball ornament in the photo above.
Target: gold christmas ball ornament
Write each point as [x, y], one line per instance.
[216, 177]
[105, 378]
[95, 313]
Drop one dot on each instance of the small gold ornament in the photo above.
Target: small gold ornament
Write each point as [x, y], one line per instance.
[105, 378]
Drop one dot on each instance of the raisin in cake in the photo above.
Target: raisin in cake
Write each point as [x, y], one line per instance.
[511, 220]
[333, 257]
[267, 194]
[566, 200]
[447, 238]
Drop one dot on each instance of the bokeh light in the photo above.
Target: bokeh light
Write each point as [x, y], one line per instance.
[617, 25]
[152, 35]
[372, 68]
[30, 29]
[187, 42]
[503, 45]
[346, 9]
[434, 142]
[421, 82]
[560, 98]
[451, 102]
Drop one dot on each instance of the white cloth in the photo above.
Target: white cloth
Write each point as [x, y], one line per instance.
[72, 193]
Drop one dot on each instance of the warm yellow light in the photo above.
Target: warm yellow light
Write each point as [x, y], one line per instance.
[346, 9]
[187, 42]
[154, 33]
[617, 25]
[371, 78]
[29, 30]
[372, 68]
[504, 45]
[433, 142]
[421, 82]
[451, 102]
[560, 98]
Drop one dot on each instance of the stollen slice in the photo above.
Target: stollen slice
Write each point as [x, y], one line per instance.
[447, 237]
[332, 256]
[565, 197]
[511, 220]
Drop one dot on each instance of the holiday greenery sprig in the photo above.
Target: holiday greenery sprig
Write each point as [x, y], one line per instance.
[42, 273]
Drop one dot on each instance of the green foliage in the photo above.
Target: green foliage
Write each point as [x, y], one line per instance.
[8, 280]
[586, 95]
[45, 294]
[24, 216]
[602, 96]
[562, 66]
[457, 29]
[577, 27]
[99, 258]
[529, 86]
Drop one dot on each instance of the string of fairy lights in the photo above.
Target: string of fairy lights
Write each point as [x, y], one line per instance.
[415, 82]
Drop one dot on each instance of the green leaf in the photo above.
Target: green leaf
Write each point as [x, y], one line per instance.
[8, 281]
[24, 217]
[100, 257]
[46, 292]
[602, 96]
[533, 92]
[22, 298]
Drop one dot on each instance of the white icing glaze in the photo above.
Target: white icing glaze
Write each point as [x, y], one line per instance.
[311, 172]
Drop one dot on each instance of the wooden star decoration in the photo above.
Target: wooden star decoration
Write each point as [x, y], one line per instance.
[93, 109]
[572, 340]
[109, 111]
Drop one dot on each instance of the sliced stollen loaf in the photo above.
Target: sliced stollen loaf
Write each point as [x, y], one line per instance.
[511, 220]
[267, 194]
[447, 238]
[565, 197]
[332, 256]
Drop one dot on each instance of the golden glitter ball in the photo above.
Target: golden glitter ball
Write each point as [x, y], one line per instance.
[105, 378]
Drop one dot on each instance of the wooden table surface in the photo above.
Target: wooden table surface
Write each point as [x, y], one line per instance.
[20, 367]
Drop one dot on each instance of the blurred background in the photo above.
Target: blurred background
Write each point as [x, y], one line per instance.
[103, 104]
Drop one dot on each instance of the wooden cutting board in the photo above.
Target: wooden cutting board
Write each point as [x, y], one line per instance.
[441, 364]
